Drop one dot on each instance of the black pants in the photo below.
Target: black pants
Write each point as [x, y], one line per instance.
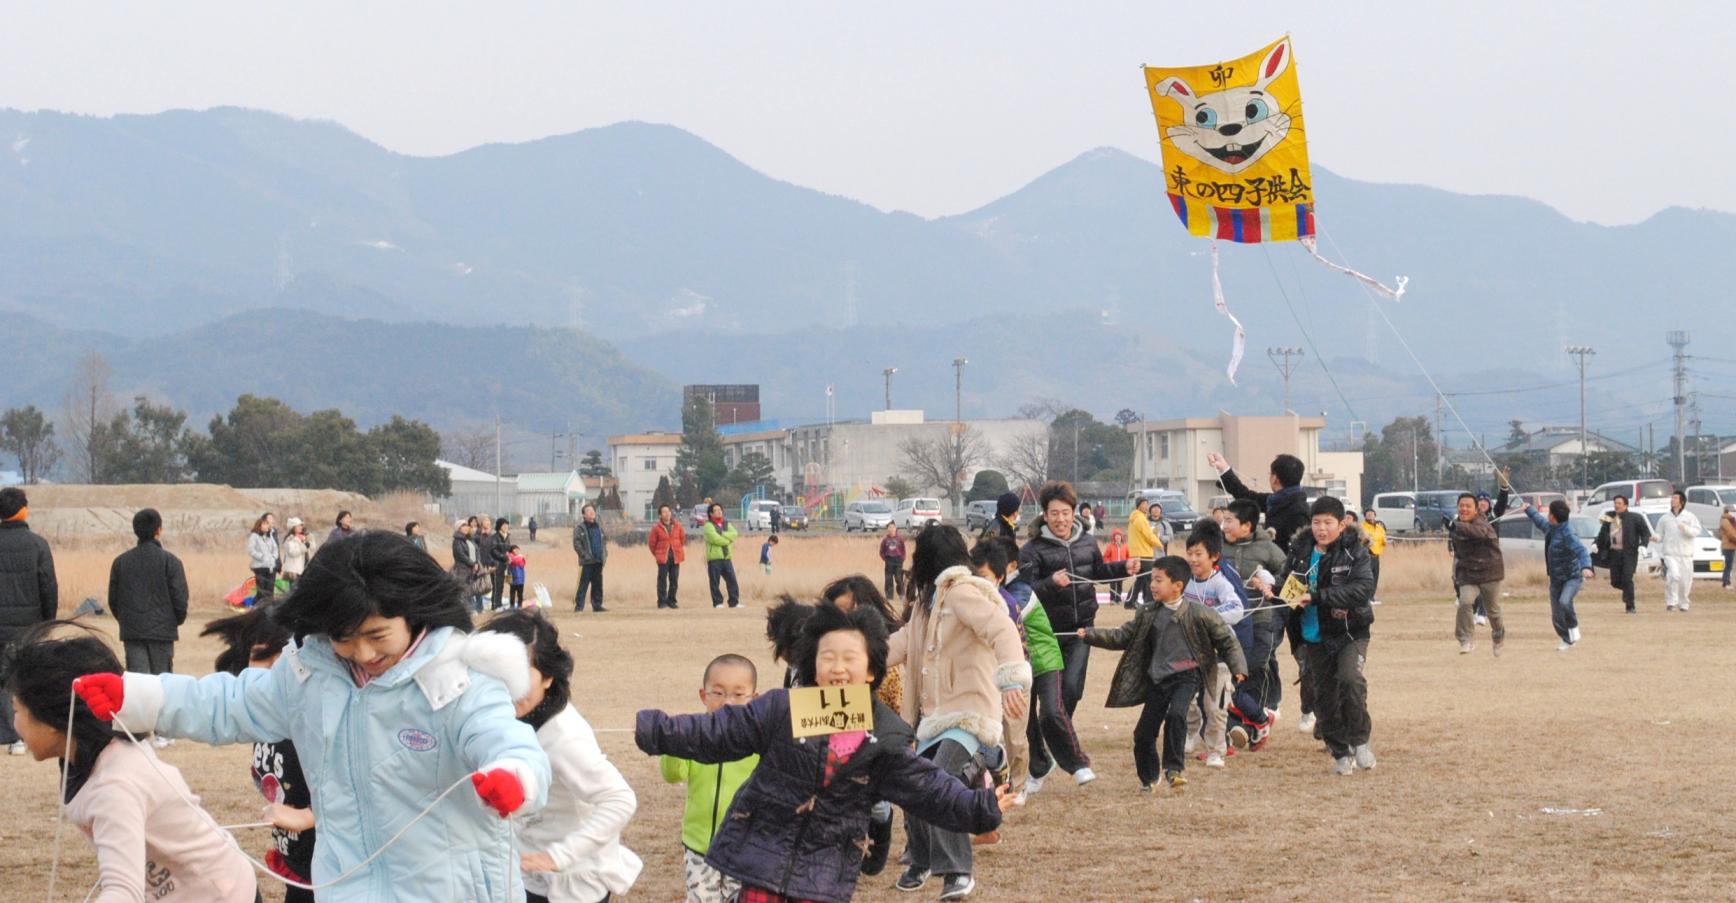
[1375, 593]
[1166, 703]
[150, 657]
[294, 895]
[937, 850]
[1621, 575]
[500, 587]
[539, 898]
[668, 583]
[1075, 659]
[1141, 588]
[516, 597]
[894, 579]
[1049, 730]
[722, 569]
[1340, 693]
[8, 736]
[590, 578]
[264, 585]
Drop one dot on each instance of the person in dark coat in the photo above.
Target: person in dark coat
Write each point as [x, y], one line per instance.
[593, 551]
[1286, 506]
[1006, 522]
[1618, 544]
[499, 551]
[532, 526]
[29, 592]
[147, 593]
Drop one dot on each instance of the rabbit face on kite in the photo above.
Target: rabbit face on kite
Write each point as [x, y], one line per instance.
[1230, 129]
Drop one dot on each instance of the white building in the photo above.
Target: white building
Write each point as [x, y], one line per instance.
[1171, 454]
[851, 458]
[639, 461]
[476, 492]
[554, 498]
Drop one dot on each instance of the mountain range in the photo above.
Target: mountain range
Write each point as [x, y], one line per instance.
[186, 241]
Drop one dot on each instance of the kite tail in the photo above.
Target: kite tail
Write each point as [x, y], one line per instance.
[1218, 301]
[1373, 283]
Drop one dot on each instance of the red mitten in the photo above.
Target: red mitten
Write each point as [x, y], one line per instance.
[102, 692]
[500, 789]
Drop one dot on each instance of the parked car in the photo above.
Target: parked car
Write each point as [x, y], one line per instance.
[867, 515]
[1707, 503]
[1219, 501]
[1434, 508]
[1538, 500]
[795, 517]
[1522, 541]
[696, 517]
[1708, 552]
[914, 514]
[1177, 513]
[1642, 495]
[1397, 510]
[979, 514]
[759, 513]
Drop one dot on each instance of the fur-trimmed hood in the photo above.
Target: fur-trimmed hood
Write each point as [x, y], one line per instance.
[498, 655]
[960, 654]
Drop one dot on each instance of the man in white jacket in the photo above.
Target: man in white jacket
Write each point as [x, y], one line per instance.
[1675, 537]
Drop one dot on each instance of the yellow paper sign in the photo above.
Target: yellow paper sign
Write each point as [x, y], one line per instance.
[817, 711]
[1294, 589]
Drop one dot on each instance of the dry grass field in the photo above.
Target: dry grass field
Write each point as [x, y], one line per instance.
[1627, 734]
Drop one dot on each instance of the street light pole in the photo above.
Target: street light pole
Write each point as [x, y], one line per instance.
[1581, 352]
[888, 374]
[958, 388]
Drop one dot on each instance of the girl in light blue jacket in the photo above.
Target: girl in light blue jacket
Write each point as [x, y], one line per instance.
[393, 706]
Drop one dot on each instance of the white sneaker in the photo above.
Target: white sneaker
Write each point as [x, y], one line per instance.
[1482, 620]
[1084, 776]
[1193, 744]
[1019, 798]
[1364, 757]
[1306, 725]
[1034, 784]
[1465, 648]
[19, 749]
[1565, 645]
[1215, 760]
[1573, 635]
[1344, 766]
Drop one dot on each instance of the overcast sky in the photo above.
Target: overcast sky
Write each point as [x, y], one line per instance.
[1607, 111]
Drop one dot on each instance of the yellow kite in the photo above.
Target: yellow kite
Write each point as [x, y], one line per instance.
[1234, 159]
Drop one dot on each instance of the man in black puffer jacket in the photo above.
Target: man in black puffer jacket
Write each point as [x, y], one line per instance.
[29, 593]
[1052, 566]
[1286, 506]
[148, 595]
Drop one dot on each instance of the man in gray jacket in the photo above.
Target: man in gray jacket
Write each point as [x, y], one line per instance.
[593, 550]
[29, 593]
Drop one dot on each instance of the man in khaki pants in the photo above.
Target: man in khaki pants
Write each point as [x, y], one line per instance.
[1478, 570]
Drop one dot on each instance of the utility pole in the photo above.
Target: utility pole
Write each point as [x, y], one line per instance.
[1679, 341]
[958, 388]
[1582, 352]
[1699, 442]
[888, 374]
[1440, 444]
[1281, 359]
[1413, 460]
[496, 465]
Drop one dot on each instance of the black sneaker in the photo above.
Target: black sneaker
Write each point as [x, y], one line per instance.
[599, 608]
[957, 887]
[879, 845]
[912, 880]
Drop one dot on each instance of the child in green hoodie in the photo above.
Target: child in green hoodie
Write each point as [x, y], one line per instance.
[729, 680]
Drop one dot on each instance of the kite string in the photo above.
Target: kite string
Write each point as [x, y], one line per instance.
[1306, 335]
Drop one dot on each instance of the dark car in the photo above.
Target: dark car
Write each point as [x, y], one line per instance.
[1435, 509]
[978, 514]
[795, 517]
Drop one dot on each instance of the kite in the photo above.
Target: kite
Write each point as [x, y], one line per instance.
[1235, 158]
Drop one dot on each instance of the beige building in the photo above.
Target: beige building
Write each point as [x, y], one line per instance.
[639, 460]
[1171, 454]
[851, 458]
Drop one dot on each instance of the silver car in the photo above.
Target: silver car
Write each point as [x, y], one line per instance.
[868, 515]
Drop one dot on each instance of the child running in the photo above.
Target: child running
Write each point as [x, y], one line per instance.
[1219, 588]
[798, 828]
[711, 787]
[150, 845]
[571, 851]
[1168, 645]
[1333, 622]
[255, 640]
[403, 707]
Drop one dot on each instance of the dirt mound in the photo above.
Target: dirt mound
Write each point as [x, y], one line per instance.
[188, 509]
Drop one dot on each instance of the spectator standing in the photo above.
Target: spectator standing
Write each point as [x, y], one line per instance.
[465, 567]
[1141, 546]
[593, 550]
[669, 549]
[413, 532]
[1727, 537]
[892, 553]
[499, 557]
[263, 558]
[1113, 551]
[297, 549]
[777, 519]
[29, 592]
[720, 556]
[531, 527]
[1618, 544]
[147, 593]
[1006, 522]
[342, 528]
[1376, 532]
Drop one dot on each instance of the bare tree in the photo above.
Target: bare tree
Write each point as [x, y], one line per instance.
[1044, 409]
[942, 462]
[470, 446]
[1025, 460]
[88, 409]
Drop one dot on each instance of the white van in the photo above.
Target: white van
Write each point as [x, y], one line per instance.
[759, 513]
[1398, 510]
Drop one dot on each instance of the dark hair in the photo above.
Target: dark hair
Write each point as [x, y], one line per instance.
[1288, 469]
[410, 528]
[1679, 494]
[784, 622]
[39, 671]
[146, 523]
[1207, 533]
[728, 659]
[500, 522]
[773, 539]
[253, 634]
[373, 573]
[938, 547]
[471, 522]
[1466, 495]
[340, 518]
[829, 618]
[258, 525]
[1174, 567]
[1141, 502]
[1620, 498]
[664, 507]
[1246, 511]
[12, 501]
[512, 548]
[707, 509]
[543, 640]
[1558, 509]
[994, 552]
[1057, 489]
[1325, 504]
[864, 592]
